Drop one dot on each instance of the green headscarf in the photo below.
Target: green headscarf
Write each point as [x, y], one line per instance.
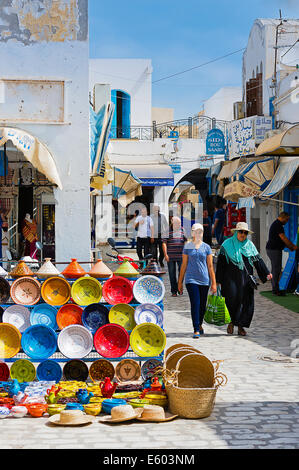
[233, 249]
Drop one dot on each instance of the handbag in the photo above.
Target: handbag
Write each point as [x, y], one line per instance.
[252, 279]
[216, 310]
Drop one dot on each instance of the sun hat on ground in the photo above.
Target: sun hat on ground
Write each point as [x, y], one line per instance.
[155, 413]
[71, 418]
[121, 413]
[241, 226]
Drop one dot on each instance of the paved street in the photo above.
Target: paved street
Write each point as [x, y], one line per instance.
[257, 409]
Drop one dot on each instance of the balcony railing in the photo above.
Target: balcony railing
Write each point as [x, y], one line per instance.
[191, 128]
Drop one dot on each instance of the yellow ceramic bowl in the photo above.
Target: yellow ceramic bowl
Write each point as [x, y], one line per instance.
[3, 394]
[96, 400]
[66, 394]
[55, 409]
[126, 395]
[94, 409]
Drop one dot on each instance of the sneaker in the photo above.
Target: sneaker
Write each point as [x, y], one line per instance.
[196, 335]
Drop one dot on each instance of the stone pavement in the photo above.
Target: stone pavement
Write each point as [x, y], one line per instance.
[257, 409]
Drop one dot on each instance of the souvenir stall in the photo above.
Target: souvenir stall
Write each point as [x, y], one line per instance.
[77, 344]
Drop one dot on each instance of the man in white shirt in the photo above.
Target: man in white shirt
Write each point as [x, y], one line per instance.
[145, 233]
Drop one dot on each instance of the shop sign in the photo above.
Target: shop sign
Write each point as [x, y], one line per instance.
[243, 135]
[215, 142]
[175, 167]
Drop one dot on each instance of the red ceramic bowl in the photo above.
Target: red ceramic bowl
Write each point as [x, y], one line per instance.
[111, 340]
[69, 314]
[4, 372]
[118, 290]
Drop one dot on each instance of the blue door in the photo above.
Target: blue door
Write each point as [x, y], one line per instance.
[121, 123]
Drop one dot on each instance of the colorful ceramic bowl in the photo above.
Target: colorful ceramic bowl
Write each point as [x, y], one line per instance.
[25, 291]
[123, 314]
[148, 340]
[111, 340]
[17, 315]
[49, 370]
[138, 402]
[4, 372]
[75, 370]
[39, 342]
[74, 406]
[37, 409]
[56, 291]
[4, 412]
[75, 341]
[127, 370]
[4, 290]
[23, 370]
[18, 411]
[93, 409]
[149, 289]
[117, 290]
[126, 395]
[110, 403]
[55, 408]
[10, 340]
[69, 314]
[94, 316]
[148, 313]
[100, 369]
[86, 290]
[148, 368]
[44, 314]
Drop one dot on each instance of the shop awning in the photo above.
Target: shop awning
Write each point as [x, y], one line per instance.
[126, 186]
[284, 173]
[100, 125]
[151, 174]
[228, 169]
[257, 174]
[237, 189]
[33, 150]
[285, 143]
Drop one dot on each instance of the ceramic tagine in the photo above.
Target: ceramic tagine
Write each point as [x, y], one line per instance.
[126, 270]
[47, 270]
[153, 268]
[100, 270]
[21, 270]
[107, 388]
[73, 270]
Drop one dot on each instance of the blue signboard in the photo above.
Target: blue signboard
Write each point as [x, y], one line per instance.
[175, 168]
[215, 142]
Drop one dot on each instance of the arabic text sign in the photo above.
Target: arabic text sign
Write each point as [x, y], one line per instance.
[245, 134]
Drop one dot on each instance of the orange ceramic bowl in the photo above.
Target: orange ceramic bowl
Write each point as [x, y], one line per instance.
[37, 409]
[69, 314]
[56, 291]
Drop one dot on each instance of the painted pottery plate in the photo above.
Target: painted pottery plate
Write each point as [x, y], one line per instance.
[49, 370]
[148, 339]
[4, 371]
[56, 291]
[75, 341]
[117, 290]
[111, 340]
[25, 291]
[39, 342]
[148, 368]
[69, 314]
[149, 289]
[123, 314]
[17, 315]
[86, 291]
[44, 314]
[101, 369]
[75, 370]
[4, 290]
[23, 370]
[94, 316]
[127, 370]
[10, 340]
[148, 313]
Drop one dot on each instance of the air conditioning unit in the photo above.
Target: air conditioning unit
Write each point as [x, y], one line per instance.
[239, 110]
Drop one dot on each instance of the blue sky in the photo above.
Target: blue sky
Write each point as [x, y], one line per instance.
[177, 35]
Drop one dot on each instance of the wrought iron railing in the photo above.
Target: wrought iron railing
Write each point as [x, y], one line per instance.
[195, 127]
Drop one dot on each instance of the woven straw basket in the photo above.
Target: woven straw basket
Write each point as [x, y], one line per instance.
[176, 346]
[171, 360]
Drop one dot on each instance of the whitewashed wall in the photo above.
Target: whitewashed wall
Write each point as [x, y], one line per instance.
[220, 105]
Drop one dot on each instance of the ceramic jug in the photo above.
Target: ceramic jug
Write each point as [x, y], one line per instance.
[83, 396]
[107, 388]
[14, 388]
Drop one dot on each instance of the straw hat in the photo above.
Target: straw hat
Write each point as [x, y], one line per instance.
[241, 226]
[121, 413]
[155, 413]
[71, 418]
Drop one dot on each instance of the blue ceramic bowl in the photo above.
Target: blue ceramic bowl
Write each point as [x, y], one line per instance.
[110, 403]
[74, 406]
[148, 313]
[44, 314]
[49, 370]
[94, 316]
[39, 342]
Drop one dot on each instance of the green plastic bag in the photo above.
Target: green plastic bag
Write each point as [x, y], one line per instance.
[216, 311]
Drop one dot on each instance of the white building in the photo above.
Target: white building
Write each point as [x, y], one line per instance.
[44, 94]
[221, 104]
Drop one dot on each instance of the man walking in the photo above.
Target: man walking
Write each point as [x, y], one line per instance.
[277, 241]
[145, 233]
[219, 223]
[160, 229]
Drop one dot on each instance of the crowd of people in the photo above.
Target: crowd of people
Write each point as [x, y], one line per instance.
[190, 261]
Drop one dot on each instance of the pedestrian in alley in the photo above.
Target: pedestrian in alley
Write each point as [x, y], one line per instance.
[160, 229]
[236, 259]
[219, 222]
[277, 241]
[145, 233]
[197, 269]
[207, 228]
[173, 246]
